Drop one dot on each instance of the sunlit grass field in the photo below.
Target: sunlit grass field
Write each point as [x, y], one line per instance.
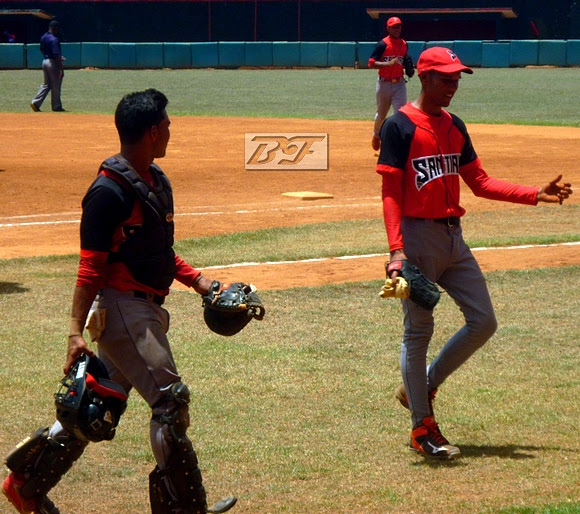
[297, 413]
[490, 95]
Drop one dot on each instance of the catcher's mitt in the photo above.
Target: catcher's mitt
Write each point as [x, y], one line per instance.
[227, 310]
[410, 283]
[408, 65]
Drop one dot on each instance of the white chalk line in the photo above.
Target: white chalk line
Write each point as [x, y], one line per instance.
[373, 255]
[187, 214]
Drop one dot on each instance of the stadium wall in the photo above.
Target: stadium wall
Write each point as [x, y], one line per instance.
[284, 54]
[174, 21]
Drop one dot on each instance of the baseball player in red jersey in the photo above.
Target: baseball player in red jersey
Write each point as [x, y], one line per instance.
[425, 151]
[127, 265]
[391, 89]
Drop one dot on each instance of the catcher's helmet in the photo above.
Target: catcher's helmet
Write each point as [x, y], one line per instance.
[88, 404]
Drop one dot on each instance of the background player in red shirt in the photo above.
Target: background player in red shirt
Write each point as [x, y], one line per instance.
[424, 152]
[388, 57]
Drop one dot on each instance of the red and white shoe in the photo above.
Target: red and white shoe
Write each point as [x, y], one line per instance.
[35, 505]
[428, 440]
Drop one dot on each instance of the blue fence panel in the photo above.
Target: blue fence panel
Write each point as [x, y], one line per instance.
[122, 55]
[313, 53]
[414, 49]
[12, 56]
[285, 53]
[469, 52]
[72, 54]
[95, 55]
[342, 54]
[552, 53]
[232, 54]
[259, 53]
[364, 49]
[495, 55]
[177, 55]
[444, 44]
[149, 55]
[33, 56]
[204, 55]
[573, 52]
[524, 52]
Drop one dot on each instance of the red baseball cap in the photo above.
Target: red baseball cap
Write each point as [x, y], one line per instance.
[394, 21]
[442, 60]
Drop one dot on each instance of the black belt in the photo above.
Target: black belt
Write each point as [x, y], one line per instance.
[450, 221]
[152, 297]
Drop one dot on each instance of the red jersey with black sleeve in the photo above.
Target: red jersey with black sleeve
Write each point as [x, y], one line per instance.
[385, 50]
[111, 214]
[421, 160]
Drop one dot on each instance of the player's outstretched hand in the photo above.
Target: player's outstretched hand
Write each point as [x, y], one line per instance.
[555, 191]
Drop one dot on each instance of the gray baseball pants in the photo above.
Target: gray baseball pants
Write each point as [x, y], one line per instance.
[388, 94]
[52, 84]
[136, 352]
[443, 256]
[135, 349]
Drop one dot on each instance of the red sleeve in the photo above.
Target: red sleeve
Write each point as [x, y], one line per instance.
[185, 273]
[392, 204]
[493, 189]
[92, 268]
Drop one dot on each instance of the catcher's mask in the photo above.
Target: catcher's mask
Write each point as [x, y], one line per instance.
[226, 323]
[88, 404]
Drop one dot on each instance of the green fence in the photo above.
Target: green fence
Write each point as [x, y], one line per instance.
[235, 54]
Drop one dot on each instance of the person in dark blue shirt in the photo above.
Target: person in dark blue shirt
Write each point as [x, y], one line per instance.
[51, 68]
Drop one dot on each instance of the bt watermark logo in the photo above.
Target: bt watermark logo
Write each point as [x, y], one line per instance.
[287, 151]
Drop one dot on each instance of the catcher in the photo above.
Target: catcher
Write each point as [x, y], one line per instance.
[127, 265]
[424, 152]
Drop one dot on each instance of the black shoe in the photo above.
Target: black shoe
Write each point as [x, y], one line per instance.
[60, 109]
[35, 108]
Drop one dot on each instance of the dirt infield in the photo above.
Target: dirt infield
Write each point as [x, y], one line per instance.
[50, 159]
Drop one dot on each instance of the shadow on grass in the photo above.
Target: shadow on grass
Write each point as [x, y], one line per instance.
[12, 288]
[509, 451]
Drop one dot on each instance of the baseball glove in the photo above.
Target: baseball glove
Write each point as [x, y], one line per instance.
[227, 309]
[408, 65]
[410, 283]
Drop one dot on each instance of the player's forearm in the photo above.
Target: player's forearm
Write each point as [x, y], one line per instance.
[82, 300]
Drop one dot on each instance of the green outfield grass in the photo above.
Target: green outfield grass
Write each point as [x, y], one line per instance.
[491, 95]
[297, 413]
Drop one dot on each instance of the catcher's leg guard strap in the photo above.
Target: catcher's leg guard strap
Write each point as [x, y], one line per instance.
[159, 496]
[180, 481]
[44, 460]
[27, 452]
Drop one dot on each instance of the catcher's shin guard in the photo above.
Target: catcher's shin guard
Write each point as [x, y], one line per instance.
[27, 452]
[43, 461]
[178, 487]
